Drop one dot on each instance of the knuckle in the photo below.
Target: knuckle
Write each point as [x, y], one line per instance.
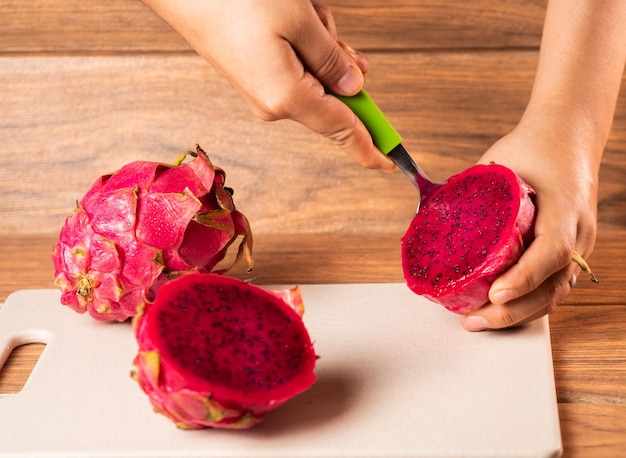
[342, 135]
[504, 318]
[552, 306]
[272, 107]
[586, 239]
[555, 291]
[332, 66]
[562, 251]
[325, 15]
[552, 303]
[546, 300]
[265, 114]
[530, 283]
[347, 141]
[527, 279]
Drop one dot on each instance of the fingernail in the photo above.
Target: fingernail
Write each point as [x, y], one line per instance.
[474, 323]
[351, 82]
[502, 296]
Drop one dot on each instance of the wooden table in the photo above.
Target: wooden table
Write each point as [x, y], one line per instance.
[588, 330]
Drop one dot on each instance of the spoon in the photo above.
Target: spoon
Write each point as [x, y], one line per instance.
[388, 141]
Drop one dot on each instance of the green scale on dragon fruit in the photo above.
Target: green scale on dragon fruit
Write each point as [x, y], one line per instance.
[215, 351]
[142, 226]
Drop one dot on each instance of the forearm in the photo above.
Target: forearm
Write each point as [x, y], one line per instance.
[580, 69]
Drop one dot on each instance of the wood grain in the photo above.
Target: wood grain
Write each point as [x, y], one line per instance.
[583, 376]
[37, 26]
[592, 430]
[66, 120]
[17, 369]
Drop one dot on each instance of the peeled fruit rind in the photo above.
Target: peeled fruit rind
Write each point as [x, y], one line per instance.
[215, 351]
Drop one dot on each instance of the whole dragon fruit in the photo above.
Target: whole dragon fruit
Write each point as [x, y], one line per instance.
[466, 233]
[141, 226]
[215, 351]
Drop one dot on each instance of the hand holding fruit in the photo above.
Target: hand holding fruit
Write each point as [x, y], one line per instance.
[563, 172]
[557, 148]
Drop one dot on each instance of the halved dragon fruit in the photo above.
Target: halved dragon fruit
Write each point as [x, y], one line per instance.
[141, 226]
[215, 351]
[466, 234]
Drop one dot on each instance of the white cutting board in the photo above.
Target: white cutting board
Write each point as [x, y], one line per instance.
[397, 377]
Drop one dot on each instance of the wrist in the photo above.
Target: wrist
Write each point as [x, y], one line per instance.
[568, 128]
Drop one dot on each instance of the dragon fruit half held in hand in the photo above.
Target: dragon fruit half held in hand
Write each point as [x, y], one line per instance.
[215, 351]
[466, 234]
[141, 226]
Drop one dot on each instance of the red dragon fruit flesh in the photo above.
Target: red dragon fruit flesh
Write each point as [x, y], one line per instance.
[215, 351]
[141, 226]
[466, 234]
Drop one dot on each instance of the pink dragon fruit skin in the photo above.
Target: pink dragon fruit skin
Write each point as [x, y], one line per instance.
[466, 234]
[142, 226]
[217, 352]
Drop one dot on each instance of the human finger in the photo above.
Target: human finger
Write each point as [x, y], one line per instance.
[539, 302]
[324, 57]
[331, 118]
[549, 252]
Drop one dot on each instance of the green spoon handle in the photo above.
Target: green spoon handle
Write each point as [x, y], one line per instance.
[384, 135]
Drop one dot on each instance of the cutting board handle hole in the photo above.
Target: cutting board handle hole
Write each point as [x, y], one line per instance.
[16, 370]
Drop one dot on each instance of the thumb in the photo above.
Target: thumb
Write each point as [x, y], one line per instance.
[326, 59]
